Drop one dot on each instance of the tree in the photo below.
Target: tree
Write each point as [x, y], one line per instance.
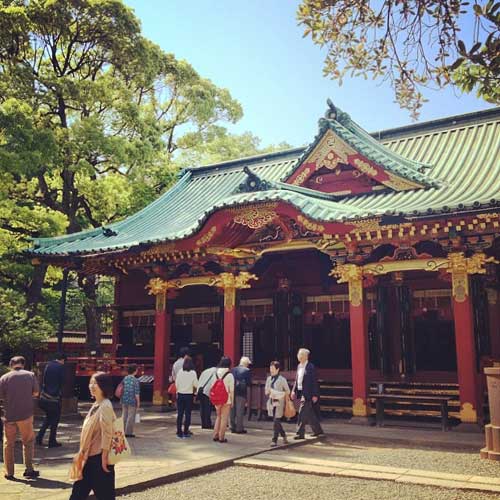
[412, 44]
[19, 333]
[91, 108]
[224, 146]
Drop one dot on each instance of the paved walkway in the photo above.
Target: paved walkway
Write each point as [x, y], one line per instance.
[158, 457]
[350, 450]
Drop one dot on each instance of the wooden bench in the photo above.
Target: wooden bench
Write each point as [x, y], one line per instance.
[381, 399]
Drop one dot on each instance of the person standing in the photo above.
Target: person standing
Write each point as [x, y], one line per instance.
[242, 381]
[186, 383]
[306, 389]
[90, 469]
[131, 400]
[222, 407]
[17, 388]
[50, 399]
[207, 378]
[277, 390]
[177, 366]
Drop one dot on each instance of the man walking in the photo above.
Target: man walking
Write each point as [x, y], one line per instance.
[242, 381]
[50, 399]
[306, 389]
[17, 389]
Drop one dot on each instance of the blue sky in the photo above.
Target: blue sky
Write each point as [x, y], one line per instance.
[256, 50]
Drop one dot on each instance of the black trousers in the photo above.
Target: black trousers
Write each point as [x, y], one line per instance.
[205, 411]
[96, 480]
[277, 427]
[52, 417]
[307, 415]
[184, 408]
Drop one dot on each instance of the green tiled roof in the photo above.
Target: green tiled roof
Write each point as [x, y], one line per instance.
[364, 143]
[464, 152]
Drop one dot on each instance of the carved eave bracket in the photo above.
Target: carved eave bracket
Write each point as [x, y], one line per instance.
[230, 283]
[460, 267]
[353, 275]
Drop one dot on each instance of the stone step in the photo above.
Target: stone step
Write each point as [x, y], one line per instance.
[287, 462]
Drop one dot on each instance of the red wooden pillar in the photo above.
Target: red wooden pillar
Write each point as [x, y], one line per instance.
[464, 338]
[231, 283]
[494, 321]
[232, 334]
[353, 275]
[163, 326]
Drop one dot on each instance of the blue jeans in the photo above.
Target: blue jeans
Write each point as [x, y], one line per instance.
[184, 408]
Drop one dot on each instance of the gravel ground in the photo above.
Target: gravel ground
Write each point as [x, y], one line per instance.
[438, 460]
[238, 483]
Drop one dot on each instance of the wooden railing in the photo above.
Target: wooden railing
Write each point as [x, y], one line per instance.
[87, 365]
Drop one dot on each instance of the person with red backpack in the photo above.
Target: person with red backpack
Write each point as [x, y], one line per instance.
[222, 397]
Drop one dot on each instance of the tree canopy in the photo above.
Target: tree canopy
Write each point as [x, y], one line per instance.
[413, 44]
[94, 119]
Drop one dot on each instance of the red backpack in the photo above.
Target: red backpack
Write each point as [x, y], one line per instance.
[218, 392]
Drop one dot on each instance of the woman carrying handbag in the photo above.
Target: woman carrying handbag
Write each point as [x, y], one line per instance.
[278, 391]
[91, 469]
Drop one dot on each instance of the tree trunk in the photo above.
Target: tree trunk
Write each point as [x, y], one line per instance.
[34, 295]
[89, 287]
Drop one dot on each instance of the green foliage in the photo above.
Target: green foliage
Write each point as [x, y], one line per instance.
[412, 44]
[225, 146]
[92, 108]
[95, 121]
[18, 332]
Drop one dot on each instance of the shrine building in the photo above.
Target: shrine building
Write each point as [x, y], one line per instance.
[378, 252]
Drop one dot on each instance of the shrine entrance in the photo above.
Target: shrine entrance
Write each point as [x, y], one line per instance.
[197, 323]
[283, 311]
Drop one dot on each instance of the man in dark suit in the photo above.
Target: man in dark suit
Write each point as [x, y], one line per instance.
[306, 389]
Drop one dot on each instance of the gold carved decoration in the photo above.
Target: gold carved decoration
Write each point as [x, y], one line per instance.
[300, 179]
[206, 237]
[359, 408]
[353, 275]
[330, 152]
[460, 267]
[159, 288]
[365, 167]
[160, 249]
[230, 283]
[468, 414]
[311, 226]
[237, 253]
[379, 268]
[156, 286]
[227, 281]
[256, 216]
[366, 225]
